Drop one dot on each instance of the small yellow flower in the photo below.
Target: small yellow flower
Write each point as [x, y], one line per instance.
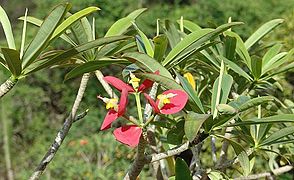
[134, 81]
[190, 79]
[164, 99]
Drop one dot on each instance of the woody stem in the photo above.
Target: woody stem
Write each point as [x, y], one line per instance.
[139, 107]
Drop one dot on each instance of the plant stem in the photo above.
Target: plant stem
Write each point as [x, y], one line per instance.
[6, 144]
[62, 133]
[7, 86]
[139, 107]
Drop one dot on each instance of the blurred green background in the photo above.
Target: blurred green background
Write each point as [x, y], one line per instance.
[36, 108]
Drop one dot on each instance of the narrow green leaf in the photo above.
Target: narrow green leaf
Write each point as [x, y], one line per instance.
[226, 109]
[146, 42]
[171, 33]
[146, 61]
[230, 47]
[277, 135]
[72, 52]
[283, 118]
[255, 102]
[193, 123]
[12, 60]
[271, 53]
[226, 84]
[236, 68]
[72, 19]
[92, 66]
[191, 92]
[163, 80]
[120, 26]
[240, 48]
[261, 32]
[160, 46]
[256, 66]
[4, 20]
[182, 170]
[44, 34]
[23, 36]
[271, 63]
[190, 26]
[196, 38]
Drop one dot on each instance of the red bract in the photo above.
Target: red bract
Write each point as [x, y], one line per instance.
[129, 135]
[119, 84]
[169, 102]
[115, 110]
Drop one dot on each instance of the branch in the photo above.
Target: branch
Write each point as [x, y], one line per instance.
[139, 162]
[171, 152]
[62, 133]
[277, 171]
[105, 85]
[7, 86]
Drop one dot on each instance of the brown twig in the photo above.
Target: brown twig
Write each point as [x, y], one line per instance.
[7, 86]
[62, 133]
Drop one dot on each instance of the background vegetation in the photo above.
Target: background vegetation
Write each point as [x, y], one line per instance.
[36, 108]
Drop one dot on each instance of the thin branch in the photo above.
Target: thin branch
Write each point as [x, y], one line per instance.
[169, 153]
[276, 172]
[139, 162]
[7, 86]
[62, 133]
[105, 85]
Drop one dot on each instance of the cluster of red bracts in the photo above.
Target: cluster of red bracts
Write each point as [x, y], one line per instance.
[169, 102]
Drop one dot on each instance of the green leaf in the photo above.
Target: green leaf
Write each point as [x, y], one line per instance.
[193, 123]
[91, 66]
[230, 47]
[182, 170]
[273, 51]
[283, 118]
[191, 92]
[164, 81]
[72, 19]
[256, 66]
[255, 102]
[226, 84]
[160, 46]
[277, 135]
[12, 60]
[226, 109]
[196, 39]
[145, 61]
[236, 68]
[146, 42]
[240, 48]
[261, 32]
[62, 57]
[4, 20]
[271, 63]
[190, 26]
[44, 34]
[120, 26]
[176, 134]
[171, 33]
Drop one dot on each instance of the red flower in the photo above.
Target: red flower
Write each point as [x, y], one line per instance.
[115, 110]
[169, 102]
[129, 135]
[119, 84]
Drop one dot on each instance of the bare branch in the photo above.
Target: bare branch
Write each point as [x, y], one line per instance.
[139, 162]
[171, 152]
[105, 85]
[277, 171]
[7, 86]
[62, 133]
